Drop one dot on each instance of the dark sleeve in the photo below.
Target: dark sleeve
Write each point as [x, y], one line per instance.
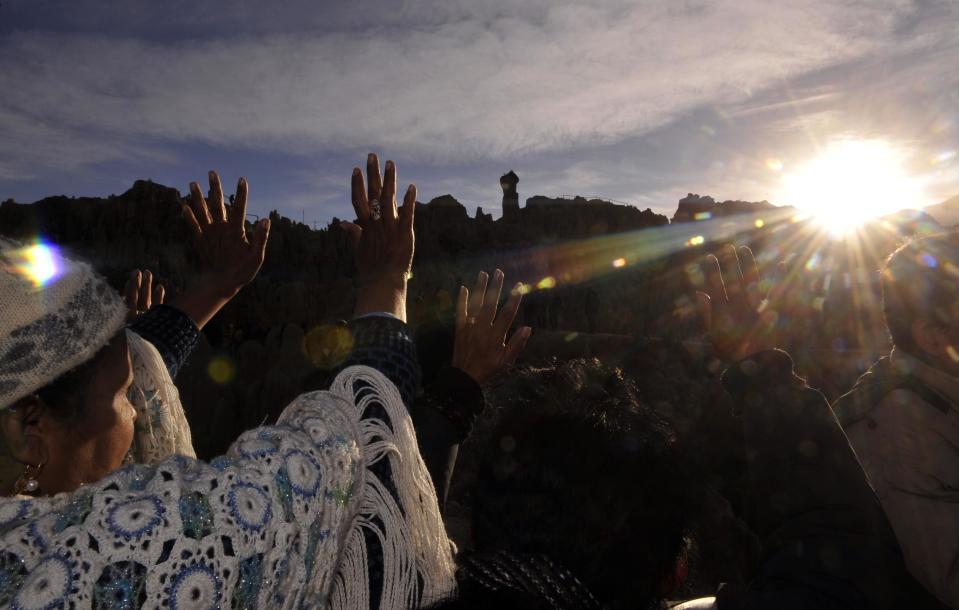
[826, 542]
[443, 417]
[385, 344]
[171, 331]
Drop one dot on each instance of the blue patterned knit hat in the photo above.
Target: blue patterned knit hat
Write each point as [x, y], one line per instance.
[56, 315]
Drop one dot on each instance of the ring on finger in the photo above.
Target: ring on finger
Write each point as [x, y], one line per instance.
[471, 320]
[376, 210]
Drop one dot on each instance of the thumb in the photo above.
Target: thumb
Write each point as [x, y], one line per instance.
[516, 344]
[261, 234]
[355, 231]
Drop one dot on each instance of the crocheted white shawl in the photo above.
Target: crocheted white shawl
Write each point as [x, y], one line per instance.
[276, 523]
[161, 429]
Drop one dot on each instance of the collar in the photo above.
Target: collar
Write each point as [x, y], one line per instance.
[941, 382]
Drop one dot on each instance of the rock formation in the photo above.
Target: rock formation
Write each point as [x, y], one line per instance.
[508, 182]
[693, 207]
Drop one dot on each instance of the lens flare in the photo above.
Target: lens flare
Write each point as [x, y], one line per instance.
[619, 262]
[221, 370]
[40, 263]
[944, 157]
[328, 345]
[953, 354]
[546, 283]
[853, 181]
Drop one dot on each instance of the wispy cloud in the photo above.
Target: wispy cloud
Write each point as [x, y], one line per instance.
[30, 148]
[467, 88]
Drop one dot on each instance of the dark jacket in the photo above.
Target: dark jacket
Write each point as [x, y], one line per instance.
[826, 542]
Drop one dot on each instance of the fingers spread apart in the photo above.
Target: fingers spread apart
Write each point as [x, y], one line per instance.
[361, 204]
[238, 209]
[491, 299]
[475, 304]
[215, 201]
[200, 211]
[388, 195]
[374, 188]
[516, 344]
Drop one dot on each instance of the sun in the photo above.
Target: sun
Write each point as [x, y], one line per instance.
[851, 182]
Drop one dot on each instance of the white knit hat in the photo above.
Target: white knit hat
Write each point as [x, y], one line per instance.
[55, 314]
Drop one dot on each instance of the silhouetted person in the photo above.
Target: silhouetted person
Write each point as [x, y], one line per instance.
[902, 417]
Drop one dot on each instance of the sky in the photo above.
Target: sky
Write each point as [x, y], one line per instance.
[634, 102]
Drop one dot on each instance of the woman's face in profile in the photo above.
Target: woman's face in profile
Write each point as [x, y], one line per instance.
[97, 441]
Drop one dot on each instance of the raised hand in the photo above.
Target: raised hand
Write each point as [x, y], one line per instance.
[480, 349]
[738, 319]
[141, 293]
[229, 260]
[382, 238]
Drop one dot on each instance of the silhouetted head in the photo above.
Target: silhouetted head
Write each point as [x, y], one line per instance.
[580, 471]
[920, 292]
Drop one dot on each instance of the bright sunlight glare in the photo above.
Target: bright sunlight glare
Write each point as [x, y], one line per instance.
[851, 182]
[39, 263]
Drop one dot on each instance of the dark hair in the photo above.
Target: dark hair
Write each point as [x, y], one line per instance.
[581, 471]
[65, 396]
[920, 280]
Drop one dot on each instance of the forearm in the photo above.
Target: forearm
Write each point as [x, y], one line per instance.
[443, 418]
[172, 333]
[439, 445]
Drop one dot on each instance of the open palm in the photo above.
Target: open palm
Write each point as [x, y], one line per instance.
[228, 259]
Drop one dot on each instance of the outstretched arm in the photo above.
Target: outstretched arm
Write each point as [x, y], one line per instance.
[383, 241]
[445, 413]
[228, 261]
[383, 244]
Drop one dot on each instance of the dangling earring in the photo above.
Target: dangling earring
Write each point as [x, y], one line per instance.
[28, 482]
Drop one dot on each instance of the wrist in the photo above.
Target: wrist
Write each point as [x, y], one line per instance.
[216, 291]
[202, 302]
[384, 296]
[379, 280]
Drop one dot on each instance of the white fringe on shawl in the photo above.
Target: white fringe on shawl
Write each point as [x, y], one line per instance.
[161, 428]
[418, 567]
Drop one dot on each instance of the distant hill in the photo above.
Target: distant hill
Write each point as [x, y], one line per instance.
[947, 212]
[694, 207]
